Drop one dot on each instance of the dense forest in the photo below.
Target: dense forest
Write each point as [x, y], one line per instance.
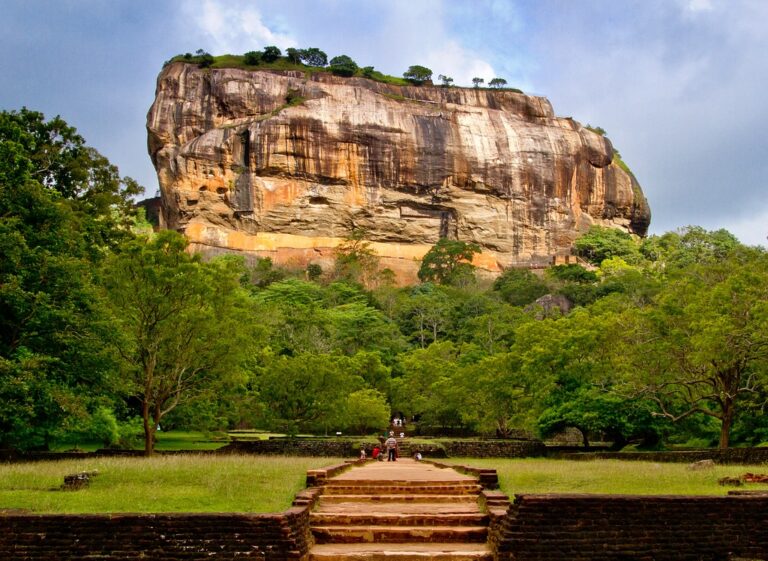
[108, 330]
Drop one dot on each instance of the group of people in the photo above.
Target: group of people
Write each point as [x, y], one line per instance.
[392, 448]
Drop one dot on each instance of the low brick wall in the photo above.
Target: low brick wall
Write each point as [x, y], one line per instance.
[295, 447]
[652, 528]
[727, 456]
[348, 448]
[494, 448]
[170, 537]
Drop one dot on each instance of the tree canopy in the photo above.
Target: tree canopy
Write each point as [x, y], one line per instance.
[418, 74]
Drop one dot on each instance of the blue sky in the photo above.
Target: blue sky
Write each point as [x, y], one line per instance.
[678, 84]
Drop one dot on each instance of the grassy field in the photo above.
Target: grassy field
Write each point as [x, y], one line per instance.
[175, 440]
[609, 476]
[159, 484]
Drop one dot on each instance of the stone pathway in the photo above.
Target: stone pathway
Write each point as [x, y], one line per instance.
[399, 511]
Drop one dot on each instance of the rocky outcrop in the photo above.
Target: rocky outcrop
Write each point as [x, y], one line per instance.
[288, 165]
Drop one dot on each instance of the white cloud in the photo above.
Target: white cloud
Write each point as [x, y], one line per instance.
[699, 6]
[752, 229]
[233, 26]
[451, 59]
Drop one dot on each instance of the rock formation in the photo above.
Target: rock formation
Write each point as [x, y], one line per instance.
[286, 165]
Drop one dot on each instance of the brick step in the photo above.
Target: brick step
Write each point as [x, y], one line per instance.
[400, 552]
[410, 489]
[399, 534]
[422, 508]
[402, 482]
[409, 519]
[399, 498]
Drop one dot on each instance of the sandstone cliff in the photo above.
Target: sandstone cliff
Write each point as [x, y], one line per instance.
[284, 165]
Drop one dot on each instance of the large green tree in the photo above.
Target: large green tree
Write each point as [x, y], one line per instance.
[183, 323]
[62, 206]
[449, 262]
[703, 348]
[418, 74]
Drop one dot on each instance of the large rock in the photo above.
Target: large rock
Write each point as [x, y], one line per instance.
[287, 165]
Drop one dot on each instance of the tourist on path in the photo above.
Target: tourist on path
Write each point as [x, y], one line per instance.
[391, 445]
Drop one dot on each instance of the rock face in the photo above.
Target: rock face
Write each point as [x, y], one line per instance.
[283, 165]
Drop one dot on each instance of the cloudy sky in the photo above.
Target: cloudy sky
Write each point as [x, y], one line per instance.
[680, 85]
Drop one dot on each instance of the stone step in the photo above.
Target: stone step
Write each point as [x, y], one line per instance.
[399, 498]
[392, 519]
[399, 534]
[401, 552]
[409, 489]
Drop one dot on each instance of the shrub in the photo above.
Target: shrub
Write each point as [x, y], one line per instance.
[252, 58]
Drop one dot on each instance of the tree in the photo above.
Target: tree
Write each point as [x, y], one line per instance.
[425, 314]
[294, 55]
[343, 65]
[703, 348]
[417, 74]
[477, 82]
[688, 246]
[497, 83]
[520, 287]
[356, 261]
[600, 243]
[365, 411]
[314, 57]
[183, 323]
[252, 58]
[498, 395]
[368, 71]
[204, 59]
[305, 392]
[595, 411]
[446, 81]
[422, 390]
[62, 206]
[271, 54]
[449, 262]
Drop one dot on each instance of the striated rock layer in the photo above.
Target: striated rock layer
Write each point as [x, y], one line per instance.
[284, 165]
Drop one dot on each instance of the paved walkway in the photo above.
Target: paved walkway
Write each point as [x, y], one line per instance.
[398, 511]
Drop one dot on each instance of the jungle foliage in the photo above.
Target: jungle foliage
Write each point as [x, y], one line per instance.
[107, 333]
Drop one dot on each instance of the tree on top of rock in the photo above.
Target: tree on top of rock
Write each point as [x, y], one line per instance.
[313, 57]
[271, 54]
[417, 74]
[343, 65]
[497, 83]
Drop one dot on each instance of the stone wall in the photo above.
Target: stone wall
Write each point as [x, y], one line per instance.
[170, 537]
[727, 456]
[494, 448]
[613, 527]
[350, 448]
[332, 448]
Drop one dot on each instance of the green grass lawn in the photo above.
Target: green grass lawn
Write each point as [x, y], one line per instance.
[609, 476]
[175, 440]
[159, 484]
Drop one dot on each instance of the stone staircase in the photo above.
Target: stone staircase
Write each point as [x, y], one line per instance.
[399, 511]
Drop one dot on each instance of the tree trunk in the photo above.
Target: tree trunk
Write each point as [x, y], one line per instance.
[584, 437]
[149, 430]
[725, 425]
